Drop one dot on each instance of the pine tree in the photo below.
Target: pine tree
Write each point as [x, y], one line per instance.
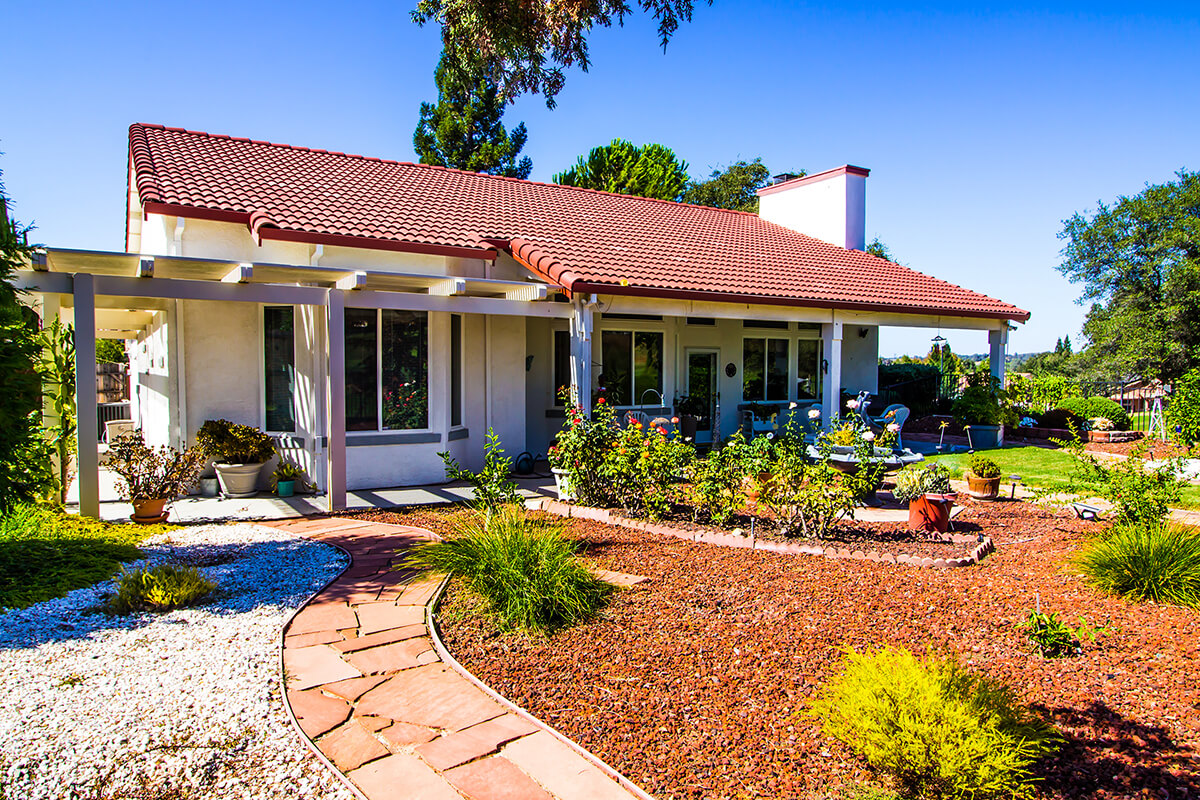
[623, 168]
[465, 128]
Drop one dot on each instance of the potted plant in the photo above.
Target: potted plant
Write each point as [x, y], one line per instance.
[927, 492]
[285, 477]
[983, 478]
[152, 477]
[240, 452]
[690, 411]
[980, 411]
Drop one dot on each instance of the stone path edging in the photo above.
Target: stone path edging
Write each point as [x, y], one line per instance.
[983, 547]
[367, 688]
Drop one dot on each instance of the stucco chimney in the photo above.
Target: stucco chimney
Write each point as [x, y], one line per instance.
[830, 205]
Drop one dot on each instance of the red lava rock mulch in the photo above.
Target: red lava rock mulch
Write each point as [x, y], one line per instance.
[1156, 450]
[693, 683]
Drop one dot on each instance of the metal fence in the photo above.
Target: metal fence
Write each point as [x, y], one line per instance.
[923, 396]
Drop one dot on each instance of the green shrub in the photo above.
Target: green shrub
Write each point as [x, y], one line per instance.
[526, 570]
[1088, 408]
[914, 481]
[934, 728]
[149, 473]
[1141, 495]
[718, 480]
[983, 467]
[1156, 561]
[230, 443]
[1052, 637]
[45, 553]
[805, 499]
[160, 588]
[491, 486]
[1061, 419]
[1183, 409]
[982, 402]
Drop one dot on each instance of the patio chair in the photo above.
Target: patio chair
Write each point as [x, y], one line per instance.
[898, 414]
[633, 415]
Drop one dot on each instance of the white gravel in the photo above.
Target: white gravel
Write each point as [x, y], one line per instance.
[178, 705]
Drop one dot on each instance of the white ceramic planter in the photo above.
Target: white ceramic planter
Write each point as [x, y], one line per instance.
[562, 484]
[238, 480]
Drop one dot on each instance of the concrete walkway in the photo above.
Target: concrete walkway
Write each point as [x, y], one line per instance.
[369, 688]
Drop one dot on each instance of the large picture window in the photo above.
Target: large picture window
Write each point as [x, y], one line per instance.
[632, 366]
[279, 368]
[387, 370]
[456, 368]
[764, 369]
[562, 364]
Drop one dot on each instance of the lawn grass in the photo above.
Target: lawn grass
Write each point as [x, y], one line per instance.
[1042, 468]
[45, 554]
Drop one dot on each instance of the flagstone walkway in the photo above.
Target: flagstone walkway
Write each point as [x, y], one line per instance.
[369, 689]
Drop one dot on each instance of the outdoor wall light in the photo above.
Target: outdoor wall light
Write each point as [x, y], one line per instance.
[528, 363]
[862, 332]
[825, 365]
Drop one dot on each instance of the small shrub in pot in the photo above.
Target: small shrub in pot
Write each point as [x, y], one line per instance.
[983, 477]
[913, 482]
[151, 477]
[239, 452]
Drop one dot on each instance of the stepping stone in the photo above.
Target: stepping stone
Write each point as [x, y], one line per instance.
[351, 746]
[389, 657]
[307, 667]
[404, 734]
[321, 617]
[402, 775]
[434, 696]
[456, 748]
[316, 712]
[375, 617]
[381, 638]
[618, 578]
[353, 688]
[495, 778]
[562, 771]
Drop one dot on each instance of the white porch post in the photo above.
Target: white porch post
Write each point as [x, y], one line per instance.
[581, 354]
[87, 428]
[997, 339]
[831, 384]
[335, 400]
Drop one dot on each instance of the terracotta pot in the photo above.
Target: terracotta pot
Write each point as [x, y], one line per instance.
[238, 480]
[983, 488]
[148, 512]
[930, 512]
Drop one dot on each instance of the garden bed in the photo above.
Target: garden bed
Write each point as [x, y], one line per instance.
[694, 683]
[1155, 449]
[177, 705]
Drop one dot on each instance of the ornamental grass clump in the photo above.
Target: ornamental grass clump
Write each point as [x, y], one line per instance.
[525, 569]
[1155, 561]
[936, 729]
[160, 588]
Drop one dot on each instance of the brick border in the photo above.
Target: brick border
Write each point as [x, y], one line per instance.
[984, 547]
[366, 687]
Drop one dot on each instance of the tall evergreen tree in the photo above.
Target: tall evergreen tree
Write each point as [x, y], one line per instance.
[24, 458]
[623, 168]
[465, 128]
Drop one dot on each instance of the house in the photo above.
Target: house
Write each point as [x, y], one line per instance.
[371, 313]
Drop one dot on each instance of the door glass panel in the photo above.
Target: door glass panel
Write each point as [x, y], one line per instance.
[701, 383]
[405, 370]
[616, 357]
[777, 369]
[647, 368]
[808, 374]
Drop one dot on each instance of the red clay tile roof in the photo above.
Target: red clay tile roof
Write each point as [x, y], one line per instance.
[583, 239]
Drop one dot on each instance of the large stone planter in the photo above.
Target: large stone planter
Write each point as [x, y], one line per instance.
[562, 484]
[983, 488]
[238, 480]
[987, 437]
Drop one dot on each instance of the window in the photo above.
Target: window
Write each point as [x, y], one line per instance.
[279, 368]
[765, 369]
[632, 364]
[707, 321]
[808, 372]
[456, 367]
[774, 324]
[562, 364]
[387, 370]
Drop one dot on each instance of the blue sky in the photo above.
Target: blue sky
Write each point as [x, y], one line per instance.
[984, 125]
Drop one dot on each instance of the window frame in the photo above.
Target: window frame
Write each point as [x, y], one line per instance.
[787, 378]
[662, 369]
[379, 429]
